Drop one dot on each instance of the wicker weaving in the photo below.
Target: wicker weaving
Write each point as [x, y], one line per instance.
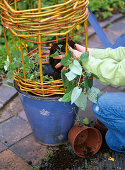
[31, 25]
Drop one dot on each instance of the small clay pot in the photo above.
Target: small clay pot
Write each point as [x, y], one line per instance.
[100, 126]
[85, 140]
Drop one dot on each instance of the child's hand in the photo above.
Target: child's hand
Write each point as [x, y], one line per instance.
[76, 53]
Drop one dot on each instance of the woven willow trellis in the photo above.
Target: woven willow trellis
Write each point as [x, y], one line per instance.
[57, 20]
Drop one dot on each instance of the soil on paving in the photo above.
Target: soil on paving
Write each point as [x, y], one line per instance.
[65, 158]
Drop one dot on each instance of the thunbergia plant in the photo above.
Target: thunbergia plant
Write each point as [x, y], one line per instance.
[78, 84]
[15, 67]
[31, 67]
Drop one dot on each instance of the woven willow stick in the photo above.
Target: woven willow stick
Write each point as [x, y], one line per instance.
[56, 25]
[39, 48]
[86, 34]
[10, 59]
[22, 13]
[37, 9]
[21, 49]
[56, 20]
[66, 44]
[15, 5]
[7, 45]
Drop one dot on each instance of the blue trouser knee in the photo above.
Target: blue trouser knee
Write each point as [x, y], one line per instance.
[110, 110]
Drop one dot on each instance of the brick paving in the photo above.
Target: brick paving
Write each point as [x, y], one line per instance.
[6, 94]
[30, 150]
[13, 130]
[10, 161]
[18, 148]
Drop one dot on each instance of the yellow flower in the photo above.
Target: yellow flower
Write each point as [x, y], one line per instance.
[24, 44]
[111, 159]
[111, 9]
[78, 27]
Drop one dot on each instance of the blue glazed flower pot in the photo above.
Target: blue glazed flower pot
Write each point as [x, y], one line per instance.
[50, 119]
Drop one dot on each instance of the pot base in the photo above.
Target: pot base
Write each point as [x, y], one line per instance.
[58, 144]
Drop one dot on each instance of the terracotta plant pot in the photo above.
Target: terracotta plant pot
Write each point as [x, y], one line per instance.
[100, 126]
[85, 140]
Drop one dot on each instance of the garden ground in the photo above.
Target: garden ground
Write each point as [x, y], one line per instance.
[18, 148]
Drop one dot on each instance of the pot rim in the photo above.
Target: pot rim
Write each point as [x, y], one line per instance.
[51, 98]
[99, 141]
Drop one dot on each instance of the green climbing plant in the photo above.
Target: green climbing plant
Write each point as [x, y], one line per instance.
[78, 84]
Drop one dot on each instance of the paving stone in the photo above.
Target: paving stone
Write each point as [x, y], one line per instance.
[14, 106]
[87, 113]
[94, 42]
[22, 114]
[4, 115]
[13, 130]
[122, 20]
[1, 105]
[103, 24]
[114, 18]
[110, 89]
[10, 161]
[118, 27]
[5, 81]
[6, 93]
[98, 85]
[2, 147]
[111, 36]
[30, 150]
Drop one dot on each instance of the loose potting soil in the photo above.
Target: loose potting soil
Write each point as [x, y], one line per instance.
[65, 159]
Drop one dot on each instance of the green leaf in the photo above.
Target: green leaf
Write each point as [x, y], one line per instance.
[69, 88]
[86, 121]
[64, 77]
[17, 54]
[21, 75]
[12, 67]
[86, 84]
[60, 46]
[76, 68]
[31, 65]
[65, 61]
[10, 74]
[7, 63]
[27, 67]
[36, 58]
[94, 75]
[46, 77]
[70, 75]
[69, 54]
[81, 101]
[32, 77]
[66, 98]
[10, 84]
[90, 81]
[75, 94]
[54, 55]
[37, 73]
[93, 93]
[84, 57]
[26, 59]
[17, 63]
